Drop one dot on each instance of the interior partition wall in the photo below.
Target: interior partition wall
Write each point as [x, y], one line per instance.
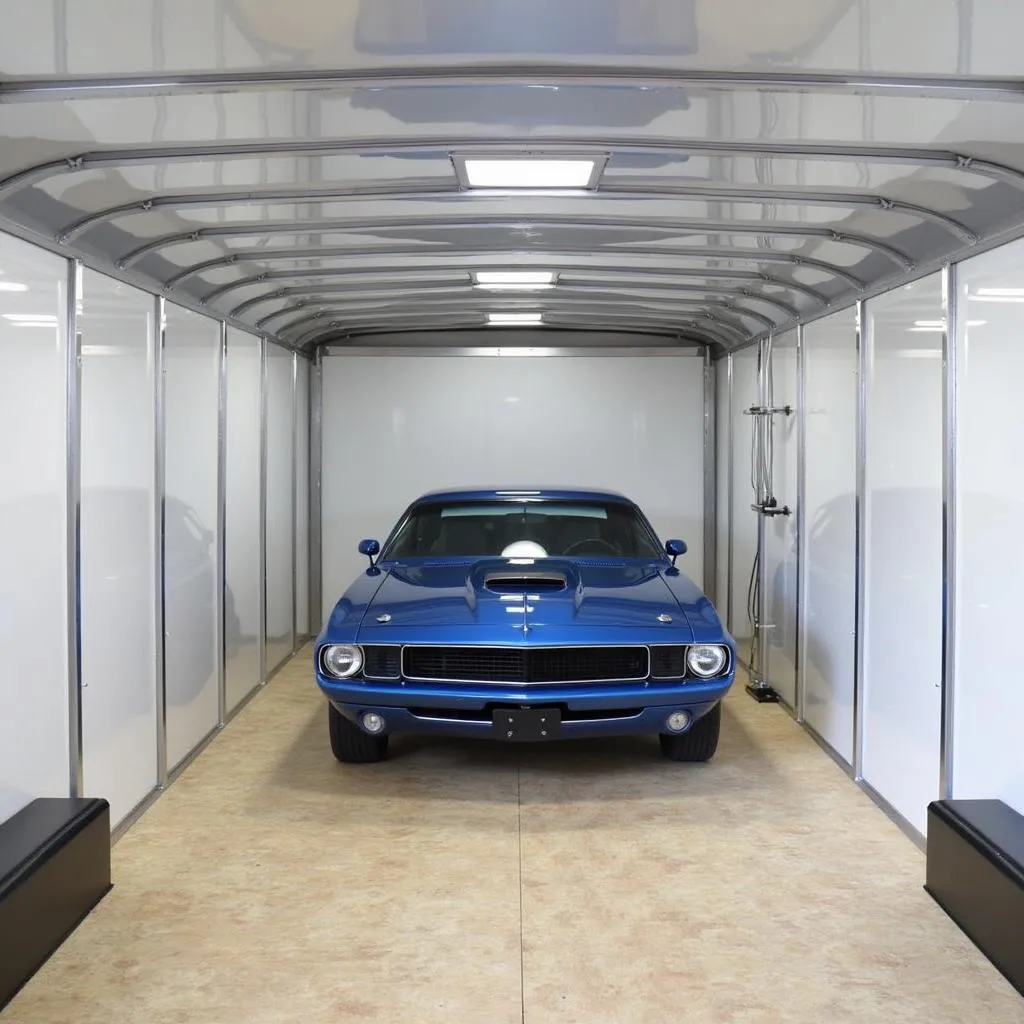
[988, 361]
[35, 742]
[119, 668]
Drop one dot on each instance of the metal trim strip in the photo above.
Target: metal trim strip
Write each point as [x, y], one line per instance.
[117, 156]
[220, 569]
[73, 524]
[861, 541]
[263, 513]
[30, 88]
[949, 539]
[801, 525]
[160, 545]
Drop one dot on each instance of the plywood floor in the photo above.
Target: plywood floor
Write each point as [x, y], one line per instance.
[584, 882]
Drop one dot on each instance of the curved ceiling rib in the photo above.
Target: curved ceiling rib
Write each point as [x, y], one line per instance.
[317, 293]
[429, 271]
[639, 310]
[302, 197]
[110, 157]
[727, 334]
[860, 83]
[481, 257]
[664, 226]
[427, 190]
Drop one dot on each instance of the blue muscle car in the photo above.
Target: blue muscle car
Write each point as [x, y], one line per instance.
[524, 615]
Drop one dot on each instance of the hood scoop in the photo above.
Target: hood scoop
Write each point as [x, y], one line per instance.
[514, 582]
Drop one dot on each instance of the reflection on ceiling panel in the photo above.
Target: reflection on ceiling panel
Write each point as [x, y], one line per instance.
[712, 169]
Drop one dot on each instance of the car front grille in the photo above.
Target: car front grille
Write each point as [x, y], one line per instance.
[526, 665]
[668, 661]
[382, 661]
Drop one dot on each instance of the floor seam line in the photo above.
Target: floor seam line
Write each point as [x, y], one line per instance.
[522, 956]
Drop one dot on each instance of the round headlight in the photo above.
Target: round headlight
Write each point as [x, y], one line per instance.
[341, 660]
[707, 660]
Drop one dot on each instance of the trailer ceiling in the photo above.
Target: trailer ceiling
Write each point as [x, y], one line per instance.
[293, 166]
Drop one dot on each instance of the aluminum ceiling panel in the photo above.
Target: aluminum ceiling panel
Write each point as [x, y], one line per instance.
[293, 166]
[146, 36]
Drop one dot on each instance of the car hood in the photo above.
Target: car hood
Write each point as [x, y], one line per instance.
[494, 599]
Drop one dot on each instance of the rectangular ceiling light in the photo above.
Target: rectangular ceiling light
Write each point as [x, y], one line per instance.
[538, 172]
[515, 318]
[514, 280]
[12, 286]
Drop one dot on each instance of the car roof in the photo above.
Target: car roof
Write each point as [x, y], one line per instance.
[511, 493]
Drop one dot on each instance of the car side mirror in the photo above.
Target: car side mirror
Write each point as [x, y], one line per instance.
[370, 548]
[675, 548]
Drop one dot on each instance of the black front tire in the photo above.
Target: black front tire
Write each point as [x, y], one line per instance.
[698, 743]
[350, 744]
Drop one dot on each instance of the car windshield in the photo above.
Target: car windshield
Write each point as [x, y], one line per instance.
[533, 529]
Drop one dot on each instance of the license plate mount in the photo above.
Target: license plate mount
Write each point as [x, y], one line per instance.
[527, 725]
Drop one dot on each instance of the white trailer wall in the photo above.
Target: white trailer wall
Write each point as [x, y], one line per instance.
[280, 536]
[191, 400]
[902, 621]
[828, 605]
[34, 740]
[722, 480]
[131, 492]
[118, 543]
[744, 519]
[781, 554]
[397, 426]
[988, 698]
[243, 502]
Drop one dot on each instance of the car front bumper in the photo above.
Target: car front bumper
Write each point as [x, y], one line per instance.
[604, 710]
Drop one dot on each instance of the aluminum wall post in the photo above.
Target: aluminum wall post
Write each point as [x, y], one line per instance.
[949, 537]
[221, 540]
[860, 567]
[710, 479]
[316, 415]
[730, 469]
[159, 547]
[801, 523]
[263, 511]
[73, 455]
[295, 502]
